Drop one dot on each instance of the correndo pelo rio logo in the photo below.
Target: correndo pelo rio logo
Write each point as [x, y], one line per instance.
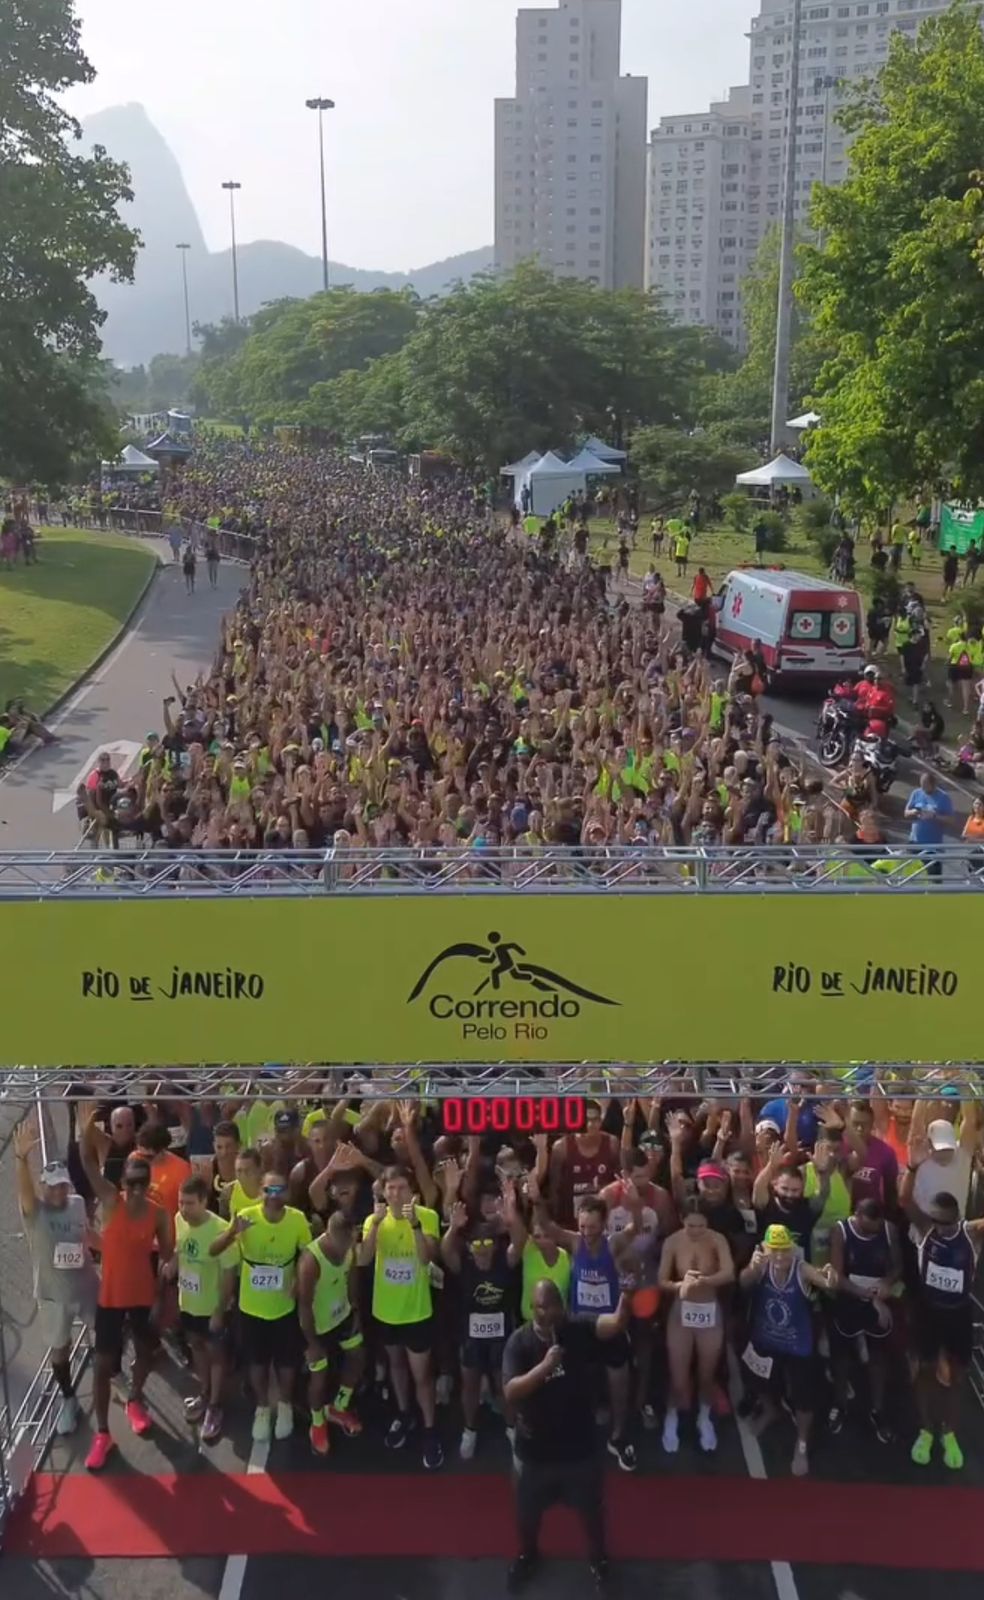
[516, 991]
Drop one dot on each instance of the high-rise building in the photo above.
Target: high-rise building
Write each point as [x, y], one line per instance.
[698, 173]
[838, 42]
[570, 149]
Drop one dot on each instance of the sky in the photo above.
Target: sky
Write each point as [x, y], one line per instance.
[409, 147]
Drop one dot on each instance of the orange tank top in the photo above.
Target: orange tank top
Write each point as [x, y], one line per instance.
[128, 1242]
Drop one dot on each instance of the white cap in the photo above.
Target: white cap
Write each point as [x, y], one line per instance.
[53, 1173]
[941, 1135]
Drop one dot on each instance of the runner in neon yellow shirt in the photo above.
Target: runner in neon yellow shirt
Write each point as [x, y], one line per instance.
[270, 1237]
[206, 1286]
[401, 1238]
[327, 1287]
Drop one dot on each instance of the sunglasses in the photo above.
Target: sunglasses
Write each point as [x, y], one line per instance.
[481, 1244]
[274, 1191]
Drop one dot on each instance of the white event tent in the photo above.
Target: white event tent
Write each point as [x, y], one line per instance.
[780, 471]
[550, 481]
[131, 459]
[591, 465]
[604, 452]
[809, 419]
[519, 469]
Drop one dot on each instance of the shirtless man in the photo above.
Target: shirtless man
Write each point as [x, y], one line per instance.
[696, 1263]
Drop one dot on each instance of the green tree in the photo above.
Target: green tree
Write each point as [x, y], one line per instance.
[61, 227]
[896, 290]
[671, 462]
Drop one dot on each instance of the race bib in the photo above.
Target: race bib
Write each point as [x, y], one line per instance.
[487, 1325]
[335, 1313]
[698, 1313]
[266, 1280]
[189, 1281]
[861, 1282]
[400, 1273]
[949, 1280]
[436, 1276]
[594, 1296]
[760, 1365]
[69, 1257]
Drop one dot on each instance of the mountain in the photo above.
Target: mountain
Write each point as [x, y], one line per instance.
[146, 317]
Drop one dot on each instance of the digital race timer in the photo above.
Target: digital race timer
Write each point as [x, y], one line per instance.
[551, 1113]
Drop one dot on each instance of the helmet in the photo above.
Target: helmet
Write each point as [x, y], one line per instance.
[871, 672]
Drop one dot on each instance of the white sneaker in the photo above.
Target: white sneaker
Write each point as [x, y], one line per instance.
[706, 1432]
[671, 1434]
[261, 1425]
[469, 1440]
[443, 1389]
[68, 1415]
[284, 1425]
[801, 1462]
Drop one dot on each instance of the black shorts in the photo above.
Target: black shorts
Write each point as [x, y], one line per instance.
[198, 1327]
[342, 1338]
[270, 1342]
[958, 674]
[417, 1337]
[112, 1324]
[851, 1317]
[615, 1353]
[482, 1355]
[792, 1376]
[939, 1332]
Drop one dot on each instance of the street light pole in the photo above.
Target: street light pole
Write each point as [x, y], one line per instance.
[824, 84]
[787, 251]
[184, 248]
[232, 186]
[321, 105]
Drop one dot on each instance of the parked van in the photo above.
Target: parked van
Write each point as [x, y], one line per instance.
[807, 629]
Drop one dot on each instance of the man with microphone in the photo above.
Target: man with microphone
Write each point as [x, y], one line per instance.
[547, 1376]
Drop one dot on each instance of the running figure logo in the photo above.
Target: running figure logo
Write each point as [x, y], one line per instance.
[499, 956]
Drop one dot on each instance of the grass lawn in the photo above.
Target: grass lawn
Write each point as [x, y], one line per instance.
[58, 616]
[229, 430]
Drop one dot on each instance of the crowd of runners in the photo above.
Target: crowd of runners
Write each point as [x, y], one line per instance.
[795, 1256]
[404, 669]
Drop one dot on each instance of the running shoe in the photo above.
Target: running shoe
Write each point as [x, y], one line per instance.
[707, 1433]
[399, 1432]
[624, 1453]
[212, 1424]
[433, 1450]
[520, 1572]
[880, 1428]
[469, 1444]
[443, 1389]
[194, 1407]
[922, 1450]
[835, 1420]
[318, 1435]
[650, 1421]
[68, 1416]
[261, 1425]
[800, 1465]
[671, 1433]
[100, 1451]
[952, 1453]
[284, 1425]
[138, 1417]
[348, 1421]
[601, 1576]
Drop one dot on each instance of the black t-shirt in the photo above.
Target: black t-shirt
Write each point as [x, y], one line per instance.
[727, 1220]
[556, 1422]
[798, 1218]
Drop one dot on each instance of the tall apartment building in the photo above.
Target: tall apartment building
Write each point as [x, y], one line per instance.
[698, 174]
[838, 42]
[570, 148]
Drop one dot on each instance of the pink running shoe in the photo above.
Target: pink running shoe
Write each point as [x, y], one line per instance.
[100, 1452]
[138, 1417]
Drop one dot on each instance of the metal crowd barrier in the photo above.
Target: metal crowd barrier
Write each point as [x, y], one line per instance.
[779, 870]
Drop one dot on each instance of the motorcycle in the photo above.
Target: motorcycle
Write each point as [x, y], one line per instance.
[880, 755]
[837, 726]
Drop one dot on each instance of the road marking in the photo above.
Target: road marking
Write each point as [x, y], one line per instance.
[782, 1572]
[234, 1575]
[124, 751]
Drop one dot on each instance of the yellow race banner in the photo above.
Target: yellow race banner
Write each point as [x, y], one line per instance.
[464, 978]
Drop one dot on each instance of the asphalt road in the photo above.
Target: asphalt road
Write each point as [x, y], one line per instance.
[119, 704]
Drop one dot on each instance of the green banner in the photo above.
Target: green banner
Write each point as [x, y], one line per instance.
[960, 529]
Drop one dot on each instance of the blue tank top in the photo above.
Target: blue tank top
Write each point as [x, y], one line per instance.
[946, 1269]
[782, 1316]
[594, 1281]
[866, 1255]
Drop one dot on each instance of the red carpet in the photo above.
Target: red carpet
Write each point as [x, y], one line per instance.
[465, 1516]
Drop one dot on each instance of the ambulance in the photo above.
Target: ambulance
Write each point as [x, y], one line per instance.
[808, 630]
